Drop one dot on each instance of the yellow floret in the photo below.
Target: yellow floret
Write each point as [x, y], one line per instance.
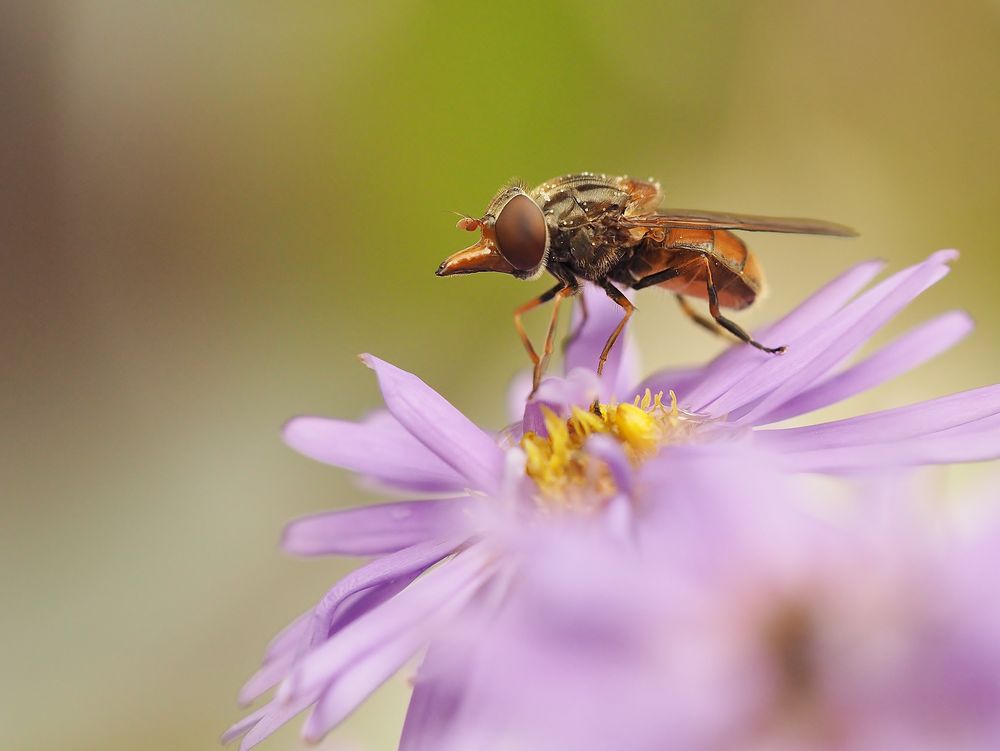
[566, 474]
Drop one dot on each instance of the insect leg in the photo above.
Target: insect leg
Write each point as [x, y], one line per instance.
[615, 294]
[734, 329]
[572, 337]
[661, 276]
[698, 317]
[530, 305]
[550, 335]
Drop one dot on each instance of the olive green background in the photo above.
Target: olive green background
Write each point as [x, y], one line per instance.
[208, 209]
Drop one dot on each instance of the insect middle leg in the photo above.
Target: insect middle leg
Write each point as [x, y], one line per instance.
[615, 294]
[672, 273]
[575, 333]
[730, 326]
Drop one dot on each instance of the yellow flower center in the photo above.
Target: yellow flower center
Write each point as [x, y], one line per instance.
[567, 475]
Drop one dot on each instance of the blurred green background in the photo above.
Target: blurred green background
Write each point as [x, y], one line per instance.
[208, 209]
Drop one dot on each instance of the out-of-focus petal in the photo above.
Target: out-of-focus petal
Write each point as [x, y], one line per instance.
[433, 421]
[243, 725]
[373, 530]
[428, 601]
[274, 715]
[378, 447]
[437, 695]
[517, 395]
[349, 609]
[288, 637]
[912, 349]
[610, 452]
[358, 681]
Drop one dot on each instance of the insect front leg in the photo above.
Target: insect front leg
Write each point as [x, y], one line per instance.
[575, 334]
[525, 340]
[561, 295]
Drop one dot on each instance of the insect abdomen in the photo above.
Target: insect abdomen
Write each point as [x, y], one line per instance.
[738, 277]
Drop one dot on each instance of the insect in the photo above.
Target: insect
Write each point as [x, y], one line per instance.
[609, 231]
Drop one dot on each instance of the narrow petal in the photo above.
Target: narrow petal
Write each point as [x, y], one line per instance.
[421, 605]
[580, 386]
[382, 570]
[373, 530]
[442, 683]
[939, 448]
[270, 674]
[435, 701]
[288, 637]
[517, 395]
[277, 714]
[729, 367]
[622, 366]
[239, 728]
[444, 430]
[357, 683]
[778, 379]
[890, 425]
[349, 609]
[914, 348]
[357, 604]
[379, 447]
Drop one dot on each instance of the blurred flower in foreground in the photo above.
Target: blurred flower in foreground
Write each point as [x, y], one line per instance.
[742, 622]
[597, 474]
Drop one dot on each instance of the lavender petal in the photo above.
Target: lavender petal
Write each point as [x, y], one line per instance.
[889, 425]
[439, 426]
[378, 447]
[904, 354]
[435, 701]
[349, 609]
[358, 682]
[939, 448]
[721, 375]
[277, 714]
[382, 570]
[426, 602]
[288, 637]
[622, 366]
[810, 357]
[373, 530]
[517, 395]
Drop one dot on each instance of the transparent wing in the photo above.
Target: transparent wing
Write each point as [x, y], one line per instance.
[697, 219]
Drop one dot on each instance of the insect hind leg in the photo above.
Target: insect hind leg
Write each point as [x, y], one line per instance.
[706, 323]
[730, 326]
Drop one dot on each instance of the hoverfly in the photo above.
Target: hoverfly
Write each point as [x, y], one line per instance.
[608, 231]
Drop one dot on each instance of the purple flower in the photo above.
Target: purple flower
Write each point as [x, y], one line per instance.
[744, 390]
[462, 548]
[744, 619]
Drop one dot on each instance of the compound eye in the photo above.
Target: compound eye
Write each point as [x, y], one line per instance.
[520, 231]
